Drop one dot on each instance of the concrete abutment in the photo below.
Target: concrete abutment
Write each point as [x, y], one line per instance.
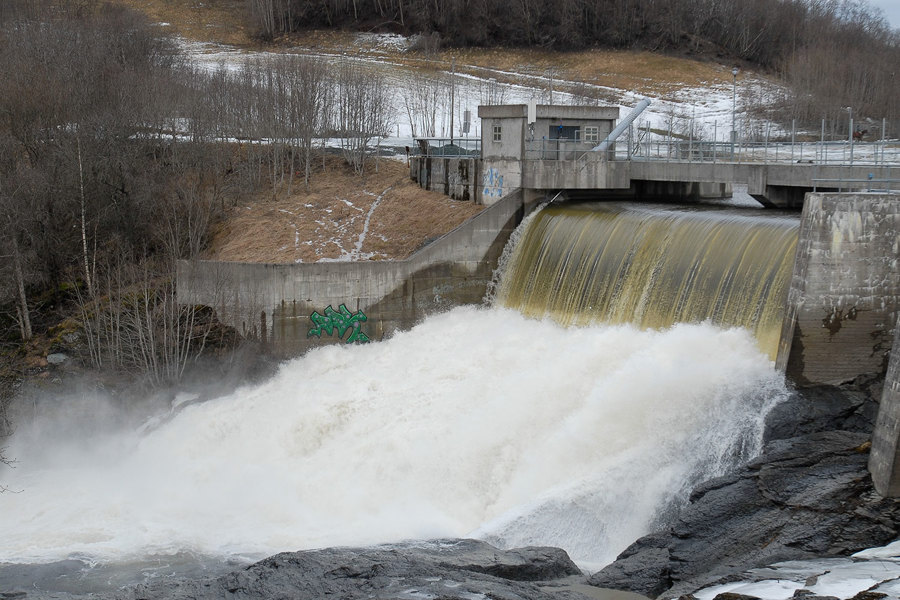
[275, 302]
[842, 302]
[884, 460]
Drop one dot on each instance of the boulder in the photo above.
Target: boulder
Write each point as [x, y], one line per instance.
[805, 497]
[435, 569]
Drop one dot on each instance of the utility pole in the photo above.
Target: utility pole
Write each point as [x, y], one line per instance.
[550, 77]
[734, 73]
[850, 132]
[452, 94]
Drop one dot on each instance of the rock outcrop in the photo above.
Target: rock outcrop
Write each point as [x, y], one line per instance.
[806, 496]
[448, 569]
[434, 569]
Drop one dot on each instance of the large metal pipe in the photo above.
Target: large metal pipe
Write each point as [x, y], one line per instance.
[622, 126]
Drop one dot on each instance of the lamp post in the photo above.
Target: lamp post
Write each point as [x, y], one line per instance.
[850, 131]
[734, 72]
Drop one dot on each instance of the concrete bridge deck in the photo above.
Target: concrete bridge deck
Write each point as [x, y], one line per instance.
[780, 185]
[777, 174]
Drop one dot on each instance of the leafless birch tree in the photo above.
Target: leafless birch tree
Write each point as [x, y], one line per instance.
[363, 110]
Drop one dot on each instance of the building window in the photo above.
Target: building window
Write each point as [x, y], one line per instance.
[498, 133]
[591, 134]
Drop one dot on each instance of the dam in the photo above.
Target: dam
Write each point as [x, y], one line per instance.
[654, 266]
[583, 437]
[818, 289]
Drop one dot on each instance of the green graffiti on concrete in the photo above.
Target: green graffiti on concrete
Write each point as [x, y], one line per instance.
[339, 320]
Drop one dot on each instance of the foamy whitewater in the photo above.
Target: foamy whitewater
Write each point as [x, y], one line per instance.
[477, 422]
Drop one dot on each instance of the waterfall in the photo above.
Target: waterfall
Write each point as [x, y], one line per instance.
[653, 266]
[480, 421]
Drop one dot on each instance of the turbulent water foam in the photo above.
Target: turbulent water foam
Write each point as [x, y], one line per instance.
[478, 421]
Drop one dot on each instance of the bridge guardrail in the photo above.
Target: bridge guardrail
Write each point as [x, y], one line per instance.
[557, 148]
[886, 152]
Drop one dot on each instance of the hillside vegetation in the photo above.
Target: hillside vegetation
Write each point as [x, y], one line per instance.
[118, 157]
[831, 54]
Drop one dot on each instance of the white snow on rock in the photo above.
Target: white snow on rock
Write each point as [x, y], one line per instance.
[875, 569]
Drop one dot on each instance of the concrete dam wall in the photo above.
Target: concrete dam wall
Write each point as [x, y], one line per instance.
[839, 311]
[842, 304]
[294, 307]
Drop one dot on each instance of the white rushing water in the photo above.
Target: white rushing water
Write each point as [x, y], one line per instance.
[477, 422]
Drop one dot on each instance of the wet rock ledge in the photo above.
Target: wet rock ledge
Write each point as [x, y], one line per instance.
[448, 569]
[809, 495]
[438, 569]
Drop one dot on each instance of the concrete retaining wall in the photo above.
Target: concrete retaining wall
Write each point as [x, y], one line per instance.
[276, 301]
[842, 304]
[485, 181]
[884, 461]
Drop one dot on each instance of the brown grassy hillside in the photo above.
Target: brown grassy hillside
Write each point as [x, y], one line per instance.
[330, 220]
[223, 21]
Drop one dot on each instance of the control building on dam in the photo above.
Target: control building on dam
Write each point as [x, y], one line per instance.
[838, 306]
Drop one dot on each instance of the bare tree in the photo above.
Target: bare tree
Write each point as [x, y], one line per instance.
[363, 109]
[311, 99]
[13, 232]
[421, 100]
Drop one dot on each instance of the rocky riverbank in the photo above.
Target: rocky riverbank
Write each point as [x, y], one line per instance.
[808, 495]
[445, 569]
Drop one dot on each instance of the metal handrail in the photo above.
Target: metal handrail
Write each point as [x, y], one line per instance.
[557, 148]
[877, 153]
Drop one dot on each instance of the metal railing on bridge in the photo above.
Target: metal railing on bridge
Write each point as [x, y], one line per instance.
[822, 153]
[557, 148]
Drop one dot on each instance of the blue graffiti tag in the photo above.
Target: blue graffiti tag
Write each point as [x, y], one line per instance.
[339, 320]
[493, 183]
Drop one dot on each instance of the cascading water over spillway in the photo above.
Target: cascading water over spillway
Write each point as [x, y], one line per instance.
[653, 267]
[477, 422]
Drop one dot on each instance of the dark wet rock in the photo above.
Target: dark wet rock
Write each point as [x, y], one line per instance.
[644, 565]
[823, 408]
[449, 569]
[808, 595]
[438, 569]
[805, 497]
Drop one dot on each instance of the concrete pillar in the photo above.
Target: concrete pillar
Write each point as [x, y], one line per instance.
[845, 289]
[782, 196]
[884, 461]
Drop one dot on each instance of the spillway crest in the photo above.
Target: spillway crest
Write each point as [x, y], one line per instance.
[653, 267]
